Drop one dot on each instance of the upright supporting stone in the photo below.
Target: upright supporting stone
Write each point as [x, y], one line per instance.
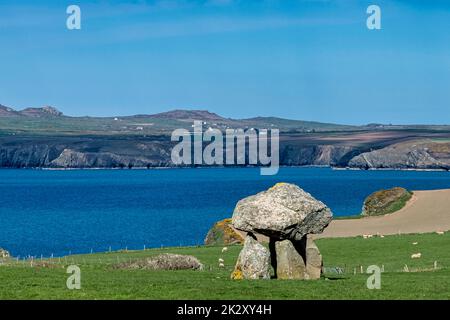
[253, 261]
[313, 260]
[289, 262]
[273, 255]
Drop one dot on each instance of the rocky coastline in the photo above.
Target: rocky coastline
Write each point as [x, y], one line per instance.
[151, 154]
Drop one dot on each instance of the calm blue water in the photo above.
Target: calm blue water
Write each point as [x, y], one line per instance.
[45, 212]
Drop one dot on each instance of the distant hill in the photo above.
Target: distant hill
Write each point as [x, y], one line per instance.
[6, 111]
[30, 112]
[50, 120]
[188, 115]
[298, 125]
[41, 112]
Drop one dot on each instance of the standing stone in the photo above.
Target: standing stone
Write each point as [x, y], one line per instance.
[283, 212]
[313, 261]
[253, 261]
[290, 264]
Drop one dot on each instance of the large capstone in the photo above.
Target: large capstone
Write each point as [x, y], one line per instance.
[253, 261]
[283, 212]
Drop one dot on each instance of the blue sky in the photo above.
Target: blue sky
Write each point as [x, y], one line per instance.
[304, 59]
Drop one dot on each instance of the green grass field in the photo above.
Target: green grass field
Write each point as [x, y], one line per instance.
[19, 280]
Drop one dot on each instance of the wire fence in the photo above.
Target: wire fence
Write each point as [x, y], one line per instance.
[115, 258]
[93, 258]
[110, 258]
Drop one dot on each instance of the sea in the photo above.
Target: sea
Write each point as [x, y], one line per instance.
[61, 212]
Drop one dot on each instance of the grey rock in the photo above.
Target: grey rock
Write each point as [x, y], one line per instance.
[290, 264]
[284, 212]
[4, 253]
[313, 261]
[165, 261]
[253, 261]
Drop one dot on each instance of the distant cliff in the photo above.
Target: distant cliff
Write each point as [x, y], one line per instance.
[46, 138]
[83, 152]
[155, 151]
[407, 155]
[104, 152]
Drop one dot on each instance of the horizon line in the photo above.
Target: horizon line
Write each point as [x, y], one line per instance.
[194, 109]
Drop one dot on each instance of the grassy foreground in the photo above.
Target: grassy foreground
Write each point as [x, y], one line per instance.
[20, 280]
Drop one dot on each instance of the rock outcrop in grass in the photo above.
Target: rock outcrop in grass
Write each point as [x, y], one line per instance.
[165, 261]
[223, 233]
[386, 201]
[4, 254]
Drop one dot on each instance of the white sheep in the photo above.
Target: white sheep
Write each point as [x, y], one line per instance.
[221, 265]
[367, 236]
[440, 232]
[416, 256]
[221, 260]
[225, 249]
[415, 243]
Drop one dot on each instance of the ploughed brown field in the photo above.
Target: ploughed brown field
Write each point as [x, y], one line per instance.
[427, 211]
